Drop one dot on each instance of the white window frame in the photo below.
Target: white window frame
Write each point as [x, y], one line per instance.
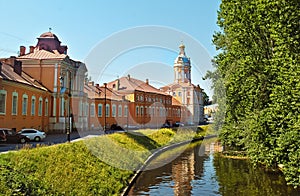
[100, 110]
[46, 107]
[33, 104]
[14, 105]
[40, 106]
[114, 110]
[120, 111]
[92, 109]
[3, 92]
[107, 110]
[24, 104]
[125, 111]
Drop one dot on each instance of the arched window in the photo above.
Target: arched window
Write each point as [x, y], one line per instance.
[2, 101]
[136, 110]
[40, 107]
[114, 110]
[100, 108]
[46, 107]
[120, 110]
[24, 104]
[92, 110]
[32, 105]
[14, 108]
[125, 110]
[107, 110]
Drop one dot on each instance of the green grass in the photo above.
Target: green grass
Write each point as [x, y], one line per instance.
[97, 166]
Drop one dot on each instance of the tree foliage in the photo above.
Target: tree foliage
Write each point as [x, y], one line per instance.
[258, 67]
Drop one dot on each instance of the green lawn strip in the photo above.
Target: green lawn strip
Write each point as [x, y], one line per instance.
[95, 166]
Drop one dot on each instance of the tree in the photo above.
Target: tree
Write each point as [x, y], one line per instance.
[258, 67]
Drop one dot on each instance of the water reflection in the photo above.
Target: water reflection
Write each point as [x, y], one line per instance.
[198, 172]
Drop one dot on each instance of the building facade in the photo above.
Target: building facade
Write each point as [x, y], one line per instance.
[49, 64]
[45, 89]
[24, 102]
[189, 95]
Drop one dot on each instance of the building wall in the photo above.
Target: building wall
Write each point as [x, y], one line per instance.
[28, 120]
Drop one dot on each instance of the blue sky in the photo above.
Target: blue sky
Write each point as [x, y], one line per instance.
[82, 25]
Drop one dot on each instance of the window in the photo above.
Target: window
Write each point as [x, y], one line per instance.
[62, 106]
[40, 106]
[136, 110]
[125, 110]
[2, 101]
[14, 108]
[146, 110]
[80, 108]
[107, 110]
[92, 110]
[32, 105]
[46, 107]
[24, 104]
[179, 94]
[120, 110]
[142, 110]
[114, 110]
[86, 109]
[100, 110]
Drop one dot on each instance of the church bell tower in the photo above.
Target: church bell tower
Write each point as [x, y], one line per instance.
[182, 67]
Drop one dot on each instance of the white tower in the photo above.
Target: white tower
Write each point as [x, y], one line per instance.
[182, 67]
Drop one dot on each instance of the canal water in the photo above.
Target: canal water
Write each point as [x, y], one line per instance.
[200, 171]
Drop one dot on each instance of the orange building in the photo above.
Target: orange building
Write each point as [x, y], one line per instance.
[45, 89]
[24, 101]
[49, 64]
[148, 106]
[106, 107]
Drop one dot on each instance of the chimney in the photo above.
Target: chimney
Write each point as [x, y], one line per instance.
[17, 66]
[117, 84]
[91, 83]
[31, 49]
[97, 85]
[128, 76]
[22, 50]
[147, 81]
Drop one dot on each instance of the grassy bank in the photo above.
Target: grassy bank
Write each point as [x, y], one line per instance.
[96, 166]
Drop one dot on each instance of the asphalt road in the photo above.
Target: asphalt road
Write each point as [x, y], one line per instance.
[49, 140]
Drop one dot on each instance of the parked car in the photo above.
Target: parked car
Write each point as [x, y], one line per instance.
[178, 124]
[10, 136]
[165, 125]
[33, 134]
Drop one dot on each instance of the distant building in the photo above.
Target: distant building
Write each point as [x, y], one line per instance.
[189, 95]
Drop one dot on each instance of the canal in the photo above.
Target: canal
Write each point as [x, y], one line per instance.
[200, 171]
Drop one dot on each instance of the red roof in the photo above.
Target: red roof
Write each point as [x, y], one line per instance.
[8, 73]
[129, 85]
[43, 54]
